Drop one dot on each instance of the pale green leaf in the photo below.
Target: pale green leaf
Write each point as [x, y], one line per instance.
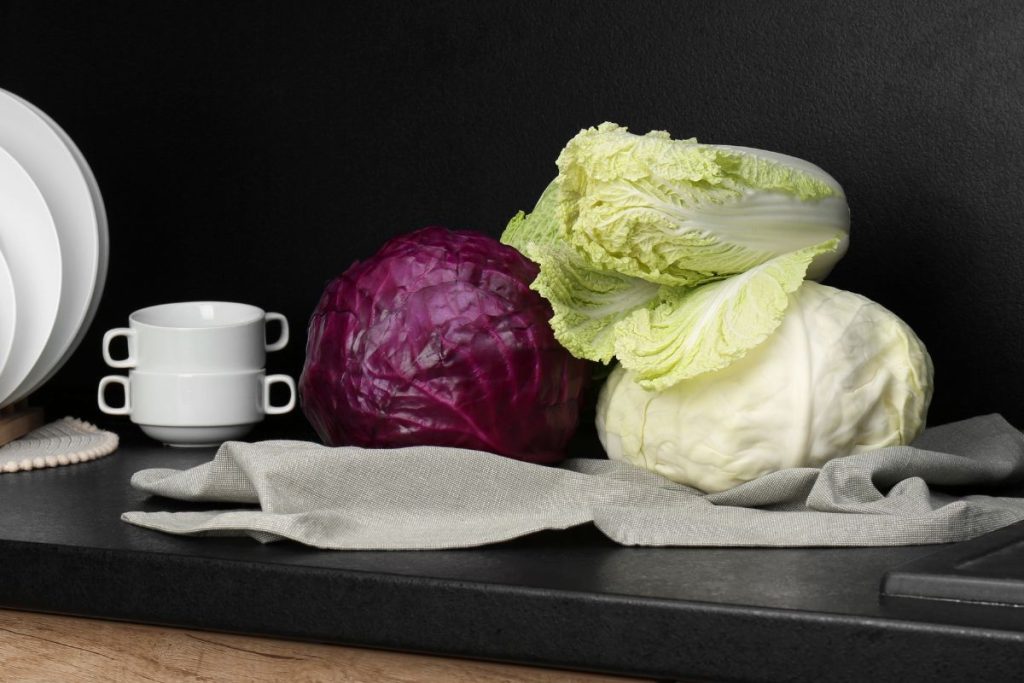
[679, 212]
[538, 228]
[587, 302]
[702, 329]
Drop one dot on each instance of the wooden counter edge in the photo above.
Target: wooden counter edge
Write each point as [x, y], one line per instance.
[48, 647]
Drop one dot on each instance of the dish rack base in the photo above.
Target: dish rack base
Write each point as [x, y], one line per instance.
[18, 420]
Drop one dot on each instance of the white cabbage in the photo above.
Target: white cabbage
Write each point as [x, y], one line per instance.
[840, 375]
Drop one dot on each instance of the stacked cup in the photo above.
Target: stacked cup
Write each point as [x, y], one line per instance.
[197, 371]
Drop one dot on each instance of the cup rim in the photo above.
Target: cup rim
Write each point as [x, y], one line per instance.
[191, 375]
[256, 312]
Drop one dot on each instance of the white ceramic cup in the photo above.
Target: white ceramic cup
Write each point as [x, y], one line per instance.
[196, 336]
[190, 409]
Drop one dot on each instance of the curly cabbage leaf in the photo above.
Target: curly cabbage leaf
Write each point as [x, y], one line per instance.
[703, 329]
[678, 212]
[587, 300]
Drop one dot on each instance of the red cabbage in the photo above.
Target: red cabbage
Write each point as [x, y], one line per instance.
[439, 340]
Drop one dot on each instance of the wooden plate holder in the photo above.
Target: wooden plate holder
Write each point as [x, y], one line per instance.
[17, 420]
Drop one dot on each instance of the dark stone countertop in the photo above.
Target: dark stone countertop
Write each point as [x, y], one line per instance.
[566, 599]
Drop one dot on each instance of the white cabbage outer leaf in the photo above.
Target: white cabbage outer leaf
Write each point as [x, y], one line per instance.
[840, 375]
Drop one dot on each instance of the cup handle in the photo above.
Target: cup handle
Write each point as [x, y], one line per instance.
[129, 334]
[278, 410]
[282, 340]
[101, 398]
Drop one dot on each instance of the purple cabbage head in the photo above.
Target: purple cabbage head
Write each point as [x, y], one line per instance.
[439, 340]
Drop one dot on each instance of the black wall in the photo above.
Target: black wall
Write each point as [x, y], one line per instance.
[252, 150]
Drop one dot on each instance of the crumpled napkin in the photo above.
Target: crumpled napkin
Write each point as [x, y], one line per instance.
[432, 497]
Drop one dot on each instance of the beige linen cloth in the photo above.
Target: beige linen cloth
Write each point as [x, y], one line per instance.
[431, 497]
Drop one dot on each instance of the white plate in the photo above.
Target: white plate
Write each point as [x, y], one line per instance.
[8, 309]
[28, 241]
[104, 245]
[70, 191]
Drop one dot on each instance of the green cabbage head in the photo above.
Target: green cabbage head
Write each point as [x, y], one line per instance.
[840, 375]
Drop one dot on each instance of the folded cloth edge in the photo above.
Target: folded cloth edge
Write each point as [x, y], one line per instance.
[400, 502]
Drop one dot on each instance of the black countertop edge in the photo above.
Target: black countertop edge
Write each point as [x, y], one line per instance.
[981, 571]
[542, 627]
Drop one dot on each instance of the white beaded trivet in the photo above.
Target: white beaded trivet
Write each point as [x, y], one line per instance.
[63, 442]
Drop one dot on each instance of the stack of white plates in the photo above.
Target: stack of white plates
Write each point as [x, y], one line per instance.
[54, 247]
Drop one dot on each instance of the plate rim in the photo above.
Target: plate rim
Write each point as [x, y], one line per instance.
[51, 312]
[11, 305]
[104, 246]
